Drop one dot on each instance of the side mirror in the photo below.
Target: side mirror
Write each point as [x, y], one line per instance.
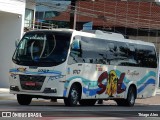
[76, 44]
[16, 42]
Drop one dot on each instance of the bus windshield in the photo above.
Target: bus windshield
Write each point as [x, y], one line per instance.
[42, 48]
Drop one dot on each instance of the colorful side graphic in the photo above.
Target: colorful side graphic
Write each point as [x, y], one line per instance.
[114, 85]
[112, 82]
[25, 71]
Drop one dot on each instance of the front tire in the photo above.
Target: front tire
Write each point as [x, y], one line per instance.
[74, 96]
[24, 99]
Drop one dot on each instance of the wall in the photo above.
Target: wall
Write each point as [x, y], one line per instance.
[12, 6]
[10, 25]
[12, 13]
[51, 5]
[11, 28]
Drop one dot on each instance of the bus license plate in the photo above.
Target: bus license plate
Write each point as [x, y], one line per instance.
[30, 83]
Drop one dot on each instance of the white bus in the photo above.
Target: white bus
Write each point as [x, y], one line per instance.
[82, 67]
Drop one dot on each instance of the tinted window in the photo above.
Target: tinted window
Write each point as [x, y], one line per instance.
[42, 48]
[146, 56]
[92, 51]
[99, 51]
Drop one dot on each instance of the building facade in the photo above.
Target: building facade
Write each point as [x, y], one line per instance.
[50, 8]
[13, 15]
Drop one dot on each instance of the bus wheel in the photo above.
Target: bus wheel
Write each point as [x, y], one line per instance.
[24, 99]
[130, 101]
[74, 96]
[87, 102]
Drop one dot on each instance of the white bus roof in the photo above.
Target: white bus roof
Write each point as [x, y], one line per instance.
[101, 34]
[112, 36]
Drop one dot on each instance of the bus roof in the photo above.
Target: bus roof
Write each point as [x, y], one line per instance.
[112, 36]
[100, 34]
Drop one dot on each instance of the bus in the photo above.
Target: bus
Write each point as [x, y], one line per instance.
[82, 67]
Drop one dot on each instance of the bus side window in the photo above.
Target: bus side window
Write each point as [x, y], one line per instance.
[111, 53]
[146, 56]
[75, 55]
[112, 47]
[132, 55]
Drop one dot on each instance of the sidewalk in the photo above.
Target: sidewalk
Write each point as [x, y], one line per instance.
[4, 94]
[158, 91]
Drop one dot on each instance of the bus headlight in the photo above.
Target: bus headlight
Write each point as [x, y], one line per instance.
[14, 88]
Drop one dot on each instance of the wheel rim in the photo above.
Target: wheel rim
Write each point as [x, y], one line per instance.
[74, 96]
[132, 98]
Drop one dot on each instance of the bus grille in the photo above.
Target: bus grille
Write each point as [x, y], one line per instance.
[30, 82]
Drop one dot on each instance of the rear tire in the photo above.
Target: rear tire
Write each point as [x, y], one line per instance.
[131, 97]
[130, 101]
[74, 96]
[24, 99]
[87, 102]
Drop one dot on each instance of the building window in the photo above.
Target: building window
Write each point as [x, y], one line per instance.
[50, 14]
[39, 15]
[29, 13]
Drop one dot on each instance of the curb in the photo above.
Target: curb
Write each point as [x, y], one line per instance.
[158, 91]
[4, 94]
[4, 90]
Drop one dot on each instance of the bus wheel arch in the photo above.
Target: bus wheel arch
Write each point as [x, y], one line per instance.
[131, 95]
[131, 85]
[74, 95]
[130, 98]
[135, 88]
